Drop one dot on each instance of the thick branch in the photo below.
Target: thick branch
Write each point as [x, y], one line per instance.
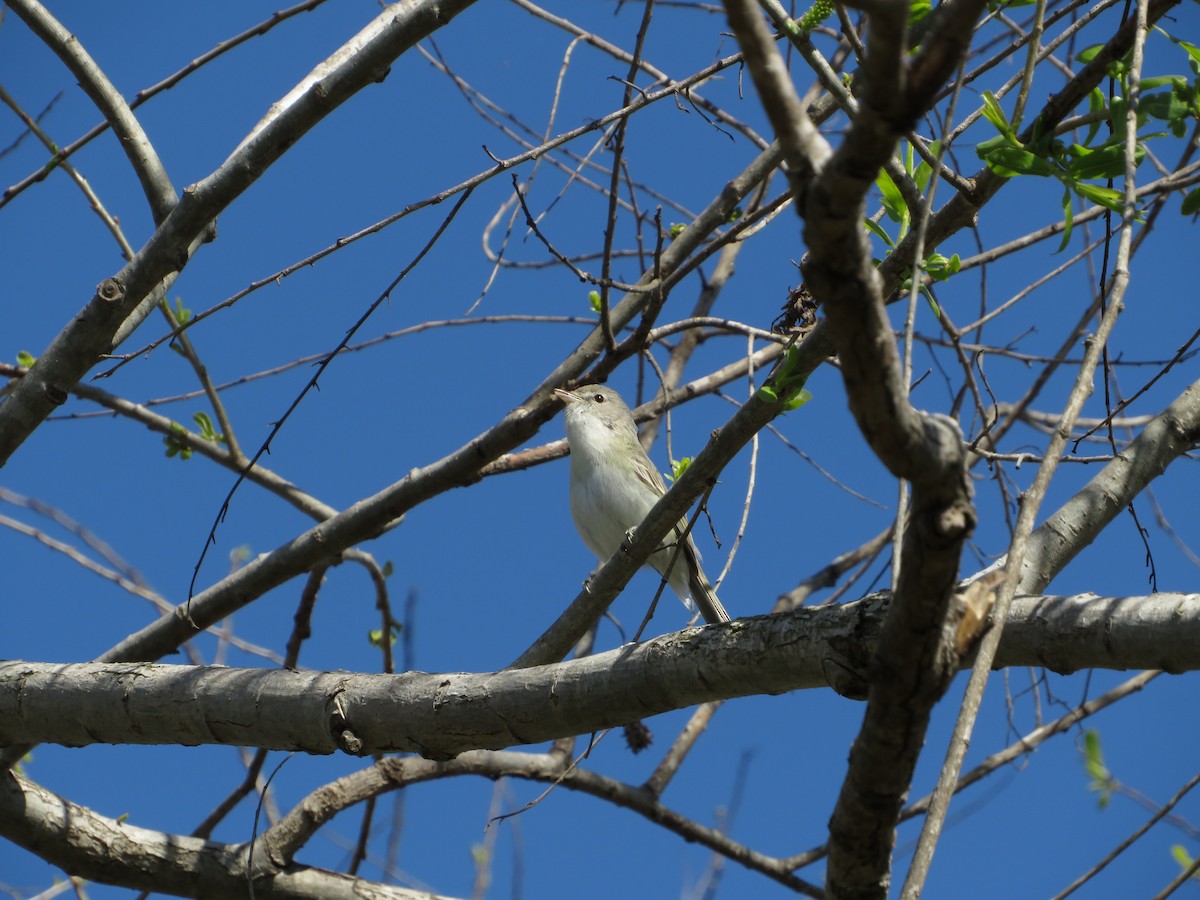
[915, 658]
[441, 715]
[1077, 522]
[96, 847]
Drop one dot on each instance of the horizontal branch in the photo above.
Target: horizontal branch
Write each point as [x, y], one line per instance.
[442, 715]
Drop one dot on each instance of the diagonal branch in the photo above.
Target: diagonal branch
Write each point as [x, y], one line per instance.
[1075, 524]
[133, 139]
[93, 330]
[373, 515]
[112, 851]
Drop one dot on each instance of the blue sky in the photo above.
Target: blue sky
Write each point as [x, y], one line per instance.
[492, 565]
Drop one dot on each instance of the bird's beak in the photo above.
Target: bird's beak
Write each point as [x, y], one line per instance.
[566, 396]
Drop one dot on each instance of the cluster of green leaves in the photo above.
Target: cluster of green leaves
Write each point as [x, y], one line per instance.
[937, 266]
[678, 467]
[786, 384]
[1166, 100]
[817, 13]
[178, 446]
[180, 315]
[892, 200]
[1178, 105]
[1074, 165]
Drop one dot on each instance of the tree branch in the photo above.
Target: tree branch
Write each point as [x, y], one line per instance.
[442, 715]
[915, 659]
[92, 331]
[1077, 522]
[108, 850]
[156, 184]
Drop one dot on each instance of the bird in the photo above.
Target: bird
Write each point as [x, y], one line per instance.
[613, 485]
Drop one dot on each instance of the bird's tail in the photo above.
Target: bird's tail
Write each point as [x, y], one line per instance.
[701, 591]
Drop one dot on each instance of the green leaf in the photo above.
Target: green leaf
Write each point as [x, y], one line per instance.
[928, 295]
[594, 301]
[678, 468]
[1093, 757]
[878, 231]
[677, 229]
[798, 401]
[1087, 54]
[787, 382]
[25, 358]
[207, 431]
[388, 569]
[983, 148]
[1097, 102]
[204, 423]
[175, 444]
[994, 113]
[1119, 68]
[1149, 84]
[1013, 161]
[1185, 860]
[1191, 50]
[921, 175]
[891, 198]
[917, 11]
[939, 268]
[1170, 106]
[1120, 106]
[1105, 196]
[375, 636]
[1191, 202]
[1068, 208]
[180, 313]
[1104, 162]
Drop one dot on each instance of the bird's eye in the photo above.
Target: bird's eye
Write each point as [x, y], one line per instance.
[599, 398]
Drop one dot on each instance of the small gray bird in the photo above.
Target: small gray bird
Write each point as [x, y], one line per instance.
[614, 485]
